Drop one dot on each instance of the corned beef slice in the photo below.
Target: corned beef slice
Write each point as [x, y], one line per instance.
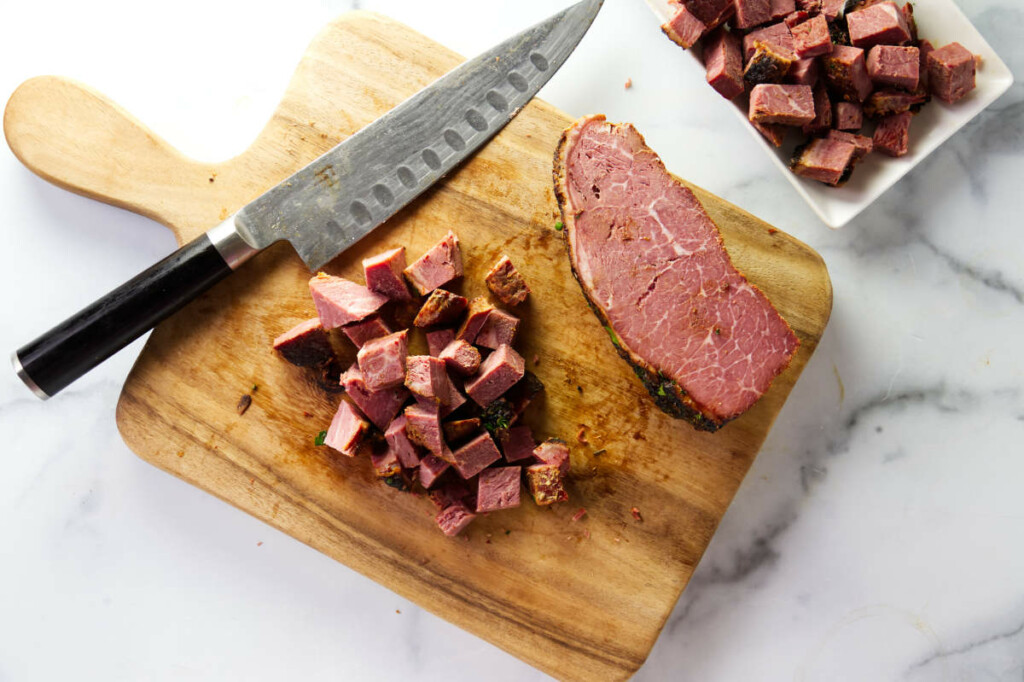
[811, 38]
[892, 136]
[545, 483]
[438, 266]
[479, 309]
[825, 160]
[951, 72]
[498, 488]
[786, 104]
[438, 340]
[498, 329]
[848, 116]
[371, 328]
[803, 72]
[724, 63]
[892, 65]
[461, 358]
[305, 345]
[454, 519]
[347, 430]
[384, 274]
[880, 24]
[554, 451]
[683, 28]
[768, 65]
[751, 13]
[506, 283]
[441, 307]
[782, 8]
[431, 468]
[776, 35]
[382, 361]
[847, 73]
[380, 407]
[398, 442]
[423, 427]
[710, 12]
[475, 456]
[862, 143]
[518, 444]
[499, 372]
[339, 301]
[705, 341]
[425, 377]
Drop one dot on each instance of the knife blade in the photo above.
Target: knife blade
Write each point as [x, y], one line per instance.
[326, 206]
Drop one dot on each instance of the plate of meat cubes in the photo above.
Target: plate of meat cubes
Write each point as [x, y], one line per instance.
[846, 96]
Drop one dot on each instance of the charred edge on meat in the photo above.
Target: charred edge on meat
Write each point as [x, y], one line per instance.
[798, 154]
[766, 66]
[498, 417]
[675, 402]
[839, 32]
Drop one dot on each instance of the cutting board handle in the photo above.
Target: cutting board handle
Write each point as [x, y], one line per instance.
[78, 139]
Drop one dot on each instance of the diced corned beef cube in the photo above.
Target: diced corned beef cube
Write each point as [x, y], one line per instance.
[777, 35]
[305, 345]
[803, 72]
[438, 340]
[438, 266]
[384, 274]
[951, 72]
[724, 63]
[545, 483]
[683, 28]
[431, 468]
[518, 444]
[499, 372]
[448, 494]
[380, 407]
[847, 73]
[398, 442]
[506, 283]
[811, 38]
[459, 430]
[479, 309]
[371, 328]
[774, 133]
[862, 143]
[847, 116]
[347, 430]
[785, 104]
[523, 393]
[339, 301]
[453, 399]
[425, 378]
[831, 9]
[423, 427]
[892, 136]
[475, 456]
[386, 464]
[909, 20]
[454, 519]
[498, 488]
[382, 361]
[710, 12]
[768, 65]
[795, 18]
[880, 24]
[925, 48]
[461, 358]
[808, 6]
[751, 13]
[892, 65]
[822, 111]
[884, 103]
[825, 160]
[498, 329]
[441, 307]
[782, 8]
[554, 451]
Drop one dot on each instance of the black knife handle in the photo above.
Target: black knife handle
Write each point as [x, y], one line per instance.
[75, 346]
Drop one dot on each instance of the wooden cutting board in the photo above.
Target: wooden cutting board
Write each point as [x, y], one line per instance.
[580, 600]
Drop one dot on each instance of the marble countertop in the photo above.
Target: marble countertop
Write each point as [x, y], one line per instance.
[879, 535]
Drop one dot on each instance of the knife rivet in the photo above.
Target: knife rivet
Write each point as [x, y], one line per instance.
[431, 158]
[476, 119]
[406, 177]
[518, 82]
[454, 140]
[539, 61]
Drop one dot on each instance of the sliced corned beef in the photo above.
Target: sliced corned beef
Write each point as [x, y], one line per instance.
[431, 468]
[724, 62]
[461, 358]
[684, 29]
[438, 266]
[475, 456]
[518, 444]
[951, 72]
[811, 38]
[554, 451]
[384, 274]
[546, 484]
[786, 104]
[479, 309]
[305, 345]
[398, 441]
[894, 65]
[499, 372]
[892, 136]
[347, 430]
[423, 427]
[371, 328]
[339, 301]
[848, 116]
[498, 488]
[826, 160]
[441, 307]
[382, 361]
[506, 283]
[880, 24]
[847, 73]
[454, 519]
[706, 343]
[380, 407]
[426, 378]
[438, 340]
[498, 329]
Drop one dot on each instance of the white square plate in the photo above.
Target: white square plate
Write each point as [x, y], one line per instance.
[939, 21]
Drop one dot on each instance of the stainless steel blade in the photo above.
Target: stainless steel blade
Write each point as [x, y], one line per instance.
[343, 195]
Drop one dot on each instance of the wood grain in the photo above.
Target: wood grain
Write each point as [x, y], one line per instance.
[581, 601]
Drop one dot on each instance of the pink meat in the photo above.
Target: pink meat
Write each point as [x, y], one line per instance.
[782, 8]
[438, 266]
[305, 345]
[438, 340]
[423, 427]
[461, 358]
[441, 307]
[398, 442]
[498, 329]
[371, 328]
[479, 309]
[384, 274]
[454, 519]
[339, 301]
[822, 111]
[892, 65]
[880, 24]
[773, 132]
[554, 451]
[785, 104]
[775, 35]
[804, 72]
[380, 407]
[453, 399]
[506, 283]
[847, 73]
[518, 444]
[475, 456]
[386, 464]
[925, 48]
[499, 372]
[811, 38]
[892, 136]
[750, 13]
[862, 144]
[431, 468]
[951, 72]
[498, 488]
[382, 361]
[684, 314]
[825, 160]
[710, 12]
[848, 116]
[684, 29]
[426, 378]
[831, 9]
[724, 63]
[347, 430]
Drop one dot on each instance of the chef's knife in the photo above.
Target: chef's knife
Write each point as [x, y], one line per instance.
[328, 205]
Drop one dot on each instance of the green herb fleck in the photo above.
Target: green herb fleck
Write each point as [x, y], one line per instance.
[320, 438]
[615, 337]
[718, 332]
[396, 481]
[508, 532]
[559, 226]
[498, 416]
[661, 390]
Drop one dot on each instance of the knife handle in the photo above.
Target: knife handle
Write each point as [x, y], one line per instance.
[68, 351]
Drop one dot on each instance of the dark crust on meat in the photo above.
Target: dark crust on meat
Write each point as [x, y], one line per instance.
[766, 65]
[878, 105]
[441, 307]
[838, 31]
[667, 394]
[798, 154]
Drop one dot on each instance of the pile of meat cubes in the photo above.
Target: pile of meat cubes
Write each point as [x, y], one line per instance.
[823, 67]
[411, 413]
